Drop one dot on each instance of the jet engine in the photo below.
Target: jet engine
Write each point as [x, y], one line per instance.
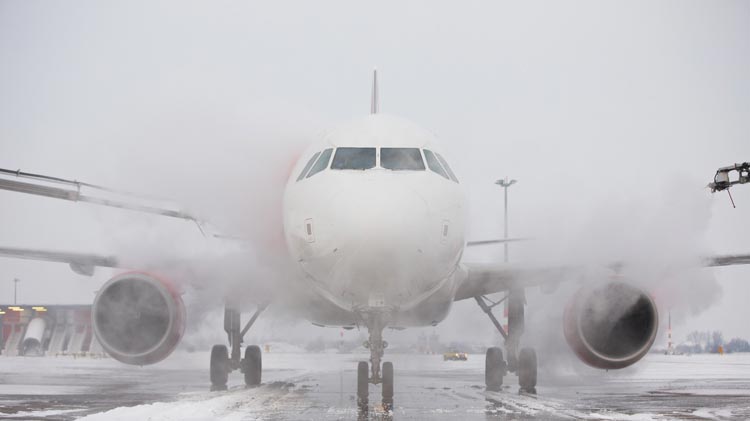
[138, 319]
[611, 326]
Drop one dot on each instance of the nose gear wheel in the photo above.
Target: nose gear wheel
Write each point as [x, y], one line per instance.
[376, 372]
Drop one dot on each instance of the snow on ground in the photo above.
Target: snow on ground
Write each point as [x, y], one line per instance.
[283, 348]
[700, 366]
[43, 414]
[230, 406]
[299, 386]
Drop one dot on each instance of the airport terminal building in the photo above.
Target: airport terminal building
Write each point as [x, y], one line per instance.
[37, 330]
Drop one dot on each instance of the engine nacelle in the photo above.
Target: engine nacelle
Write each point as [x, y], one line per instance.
[611, 326]
[138, 319]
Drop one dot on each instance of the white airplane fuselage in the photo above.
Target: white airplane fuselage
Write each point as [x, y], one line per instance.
[376, 239]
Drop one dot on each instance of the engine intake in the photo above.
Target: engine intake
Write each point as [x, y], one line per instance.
[138, 319]
[611, 326]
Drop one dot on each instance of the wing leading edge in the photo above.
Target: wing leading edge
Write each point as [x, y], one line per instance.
[489, 278]
[81, 263]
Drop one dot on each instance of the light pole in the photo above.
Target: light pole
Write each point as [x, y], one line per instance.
[505, 183]
[15, 290]
[513, 297]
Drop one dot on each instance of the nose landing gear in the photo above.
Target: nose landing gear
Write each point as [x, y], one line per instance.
[363, 385]
[388, 385]
[371, 373]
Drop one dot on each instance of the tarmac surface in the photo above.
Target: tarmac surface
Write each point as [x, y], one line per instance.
[300, 386]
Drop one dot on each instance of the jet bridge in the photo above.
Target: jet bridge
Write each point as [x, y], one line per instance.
[46, 330]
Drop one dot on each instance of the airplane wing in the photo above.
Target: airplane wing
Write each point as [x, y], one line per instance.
[230, 260]
[73, 190]
[728, 260]
[489, 278]
[80, 263]
[198, 273]
[43, 185]
[493, 241]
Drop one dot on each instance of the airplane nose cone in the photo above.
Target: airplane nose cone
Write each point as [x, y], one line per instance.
[385, 233]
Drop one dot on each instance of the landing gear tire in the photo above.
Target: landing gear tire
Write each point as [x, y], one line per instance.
[527, 370]
[219, 367]
[252, 365]
[363, 384]
[388, 385]
[494, 369]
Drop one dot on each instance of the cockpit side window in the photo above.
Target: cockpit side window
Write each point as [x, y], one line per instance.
[401, 159]
[307, 166]
[433, 163]
[353, 159]
[322, 163]
[447, 167]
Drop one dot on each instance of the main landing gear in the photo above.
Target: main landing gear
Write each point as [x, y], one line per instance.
[221, 361]
[373, 374]
[522, 362]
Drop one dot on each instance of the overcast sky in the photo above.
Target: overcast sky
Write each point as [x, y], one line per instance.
[612, 116]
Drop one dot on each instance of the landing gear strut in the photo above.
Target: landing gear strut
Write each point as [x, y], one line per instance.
[222, 363]
[522, 363]
[375, 322]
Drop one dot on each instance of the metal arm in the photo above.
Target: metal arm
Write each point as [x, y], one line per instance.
[236, 335]
[488, 310]
[722, 180]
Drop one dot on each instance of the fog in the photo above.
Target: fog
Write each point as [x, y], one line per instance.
[613, 117]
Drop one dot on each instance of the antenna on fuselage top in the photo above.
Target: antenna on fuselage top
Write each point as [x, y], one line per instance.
[374, 102]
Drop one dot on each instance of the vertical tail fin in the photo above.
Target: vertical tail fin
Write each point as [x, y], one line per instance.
[374, 102]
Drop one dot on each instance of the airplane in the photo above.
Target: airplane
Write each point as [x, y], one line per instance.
[375, 234]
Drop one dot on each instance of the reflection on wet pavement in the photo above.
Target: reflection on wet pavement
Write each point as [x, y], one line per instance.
[322, 387]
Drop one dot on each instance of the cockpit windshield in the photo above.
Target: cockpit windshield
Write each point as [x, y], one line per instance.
[307, 167]
[401, 159]
[353, 159]
[433, 163]
[322, 163]
[394, 159]
[447, 167]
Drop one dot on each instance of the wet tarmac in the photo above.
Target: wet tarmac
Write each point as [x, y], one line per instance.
[321, 387]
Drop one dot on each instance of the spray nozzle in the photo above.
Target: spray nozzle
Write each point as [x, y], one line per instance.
[723, 180]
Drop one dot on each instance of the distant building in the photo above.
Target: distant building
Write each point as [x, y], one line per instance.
[429, 344]
[35, 330]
